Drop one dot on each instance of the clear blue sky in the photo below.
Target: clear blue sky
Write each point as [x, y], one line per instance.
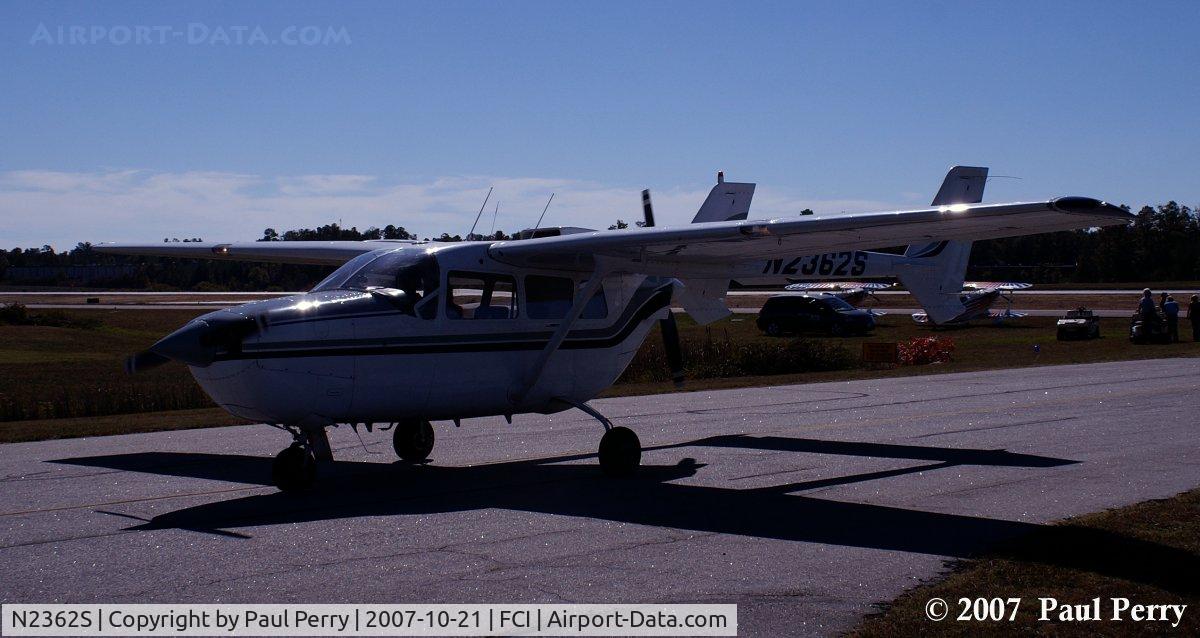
[834, 105]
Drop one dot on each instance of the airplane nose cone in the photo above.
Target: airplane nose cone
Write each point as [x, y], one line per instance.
[185, 345]
[199, 342]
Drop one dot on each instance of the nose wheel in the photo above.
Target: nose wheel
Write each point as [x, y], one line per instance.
[413, 440]
[295, 469]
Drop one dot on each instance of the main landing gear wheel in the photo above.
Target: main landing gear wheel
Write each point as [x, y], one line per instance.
[294, 469]
[620, 452]
[413, 440]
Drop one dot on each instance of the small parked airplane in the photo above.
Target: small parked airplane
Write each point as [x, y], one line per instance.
[977, 300]
[851, 292]
[409, 332]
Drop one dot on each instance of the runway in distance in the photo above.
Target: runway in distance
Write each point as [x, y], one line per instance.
[408, 332]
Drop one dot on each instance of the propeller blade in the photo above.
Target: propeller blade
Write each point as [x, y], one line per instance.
[670, 333]
[647, 209]
[142, 361]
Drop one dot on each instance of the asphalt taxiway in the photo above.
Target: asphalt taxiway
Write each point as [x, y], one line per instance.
[805, 505]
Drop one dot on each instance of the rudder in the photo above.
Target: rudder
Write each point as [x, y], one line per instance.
[726, 201]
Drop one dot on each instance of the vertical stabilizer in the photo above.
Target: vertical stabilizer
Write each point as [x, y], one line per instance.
[936, 271]
[726, 201]
[963, 185]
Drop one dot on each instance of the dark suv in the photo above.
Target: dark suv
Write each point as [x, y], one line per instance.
[821, 313]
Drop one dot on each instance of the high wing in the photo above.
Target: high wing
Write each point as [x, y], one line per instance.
[281, 252]
[711, 248]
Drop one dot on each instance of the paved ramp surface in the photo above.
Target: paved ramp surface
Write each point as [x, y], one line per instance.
[803, 504]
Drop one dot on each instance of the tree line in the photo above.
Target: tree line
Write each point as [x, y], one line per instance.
[1162, 244]
[206, 275]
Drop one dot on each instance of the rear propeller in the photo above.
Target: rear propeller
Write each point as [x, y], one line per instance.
[668, 327]
[670, 334]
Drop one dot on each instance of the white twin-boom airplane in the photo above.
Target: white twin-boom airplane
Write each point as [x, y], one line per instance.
[409, 332]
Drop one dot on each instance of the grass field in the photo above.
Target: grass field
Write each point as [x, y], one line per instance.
[1148, 552]
[56, 381]
[55, 372]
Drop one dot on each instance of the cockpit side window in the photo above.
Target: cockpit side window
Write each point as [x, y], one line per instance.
[474, 295]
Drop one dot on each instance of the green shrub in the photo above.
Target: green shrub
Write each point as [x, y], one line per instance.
[712, 358]
[14, 314]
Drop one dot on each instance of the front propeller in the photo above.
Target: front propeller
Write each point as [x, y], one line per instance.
[144, 360]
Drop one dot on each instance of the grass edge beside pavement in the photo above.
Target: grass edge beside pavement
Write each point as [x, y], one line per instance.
[198, 418]
[1148, 552]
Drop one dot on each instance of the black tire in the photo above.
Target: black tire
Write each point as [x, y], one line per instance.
[620, 452]
[413, 440]
[774, 329]
[294, 469]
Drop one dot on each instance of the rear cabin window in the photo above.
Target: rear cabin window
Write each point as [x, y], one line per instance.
[481, 296]
[551, 298]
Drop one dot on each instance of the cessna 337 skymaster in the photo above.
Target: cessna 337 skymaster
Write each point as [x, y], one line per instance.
[410, 332]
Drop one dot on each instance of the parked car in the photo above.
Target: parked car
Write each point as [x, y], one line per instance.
[1154, 330]
[808, 313]
[1080, 323]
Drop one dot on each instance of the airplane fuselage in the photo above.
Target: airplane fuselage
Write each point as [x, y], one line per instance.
[470, 346]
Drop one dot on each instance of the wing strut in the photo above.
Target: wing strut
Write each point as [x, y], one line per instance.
[560, 334]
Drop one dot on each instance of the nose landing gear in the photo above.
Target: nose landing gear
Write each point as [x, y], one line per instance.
[295, 468]
[413, 440]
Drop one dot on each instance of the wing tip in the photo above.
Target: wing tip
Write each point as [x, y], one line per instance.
[1089, 206]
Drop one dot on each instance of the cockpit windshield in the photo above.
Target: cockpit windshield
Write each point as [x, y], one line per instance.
[415, 273]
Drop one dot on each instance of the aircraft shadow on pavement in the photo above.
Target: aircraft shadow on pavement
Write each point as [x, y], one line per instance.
[349, 489]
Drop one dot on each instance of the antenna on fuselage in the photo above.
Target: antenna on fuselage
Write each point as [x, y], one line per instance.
[480, 213]
[547, 207]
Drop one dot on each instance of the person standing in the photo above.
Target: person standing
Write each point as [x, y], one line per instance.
[1193, 308]
[1171, 310]
[1162, 299]
[1146, 306]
